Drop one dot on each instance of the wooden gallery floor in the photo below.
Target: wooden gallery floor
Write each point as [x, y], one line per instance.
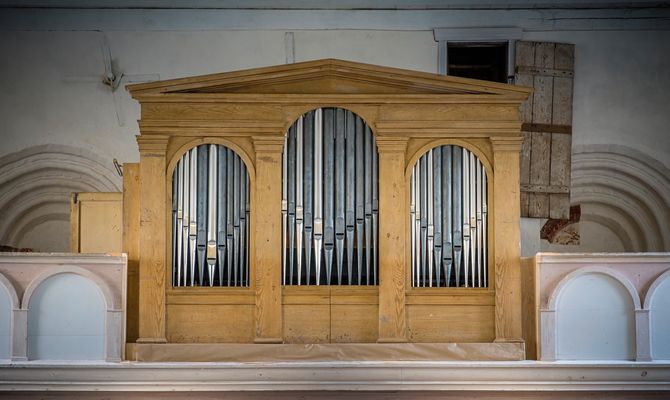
[334, 380]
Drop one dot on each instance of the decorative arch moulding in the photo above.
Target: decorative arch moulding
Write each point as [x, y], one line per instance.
[408, 113]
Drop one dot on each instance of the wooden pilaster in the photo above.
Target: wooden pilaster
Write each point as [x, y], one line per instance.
[268, 245]
[152, 238]
[392, 225]
[507, 250]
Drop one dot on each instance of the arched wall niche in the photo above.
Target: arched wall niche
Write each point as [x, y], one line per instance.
[625, 191]
[35, 188]
[66, 319]
[595, 319]
[557, 321]
[253, 109]
[9, 302]
[657, 301]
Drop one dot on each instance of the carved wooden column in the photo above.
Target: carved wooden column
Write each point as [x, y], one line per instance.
[152, 238]
[507, 250]
[392, 232]
[268, 234]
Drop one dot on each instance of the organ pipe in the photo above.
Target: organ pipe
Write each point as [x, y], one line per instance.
[210, 232]
[336, 161]
[448, 219]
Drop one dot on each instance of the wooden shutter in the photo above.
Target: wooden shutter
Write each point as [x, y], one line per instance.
[547, 128]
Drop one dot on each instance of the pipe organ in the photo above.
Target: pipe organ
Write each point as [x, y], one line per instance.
[448, 218]
[210, 224]
[329, 200]
[326, 202]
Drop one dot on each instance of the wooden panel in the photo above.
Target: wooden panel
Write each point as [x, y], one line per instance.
[562, 102]
[97, 223]
[131, 245]
[548, 68]
[542, 98]
[207, 111]
[392, 233]
[450, 323]
[217, 296]
[451, 112]
[524, 172]
[353, 323]
[506, 248]
[540, 171]
[266, 233]
[564, 56]
[209, 323]
[559, 203]
[306, 323]
[544, 55]
[153, 240]
[468, 296]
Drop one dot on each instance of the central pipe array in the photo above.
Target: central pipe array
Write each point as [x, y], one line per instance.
[330, 204]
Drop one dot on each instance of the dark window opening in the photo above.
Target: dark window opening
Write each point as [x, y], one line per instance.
[485, 61]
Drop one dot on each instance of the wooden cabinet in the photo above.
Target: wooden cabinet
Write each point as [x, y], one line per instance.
[250, 111]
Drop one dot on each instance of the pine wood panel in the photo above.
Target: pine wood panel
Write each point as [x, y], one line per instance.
[96, 223]
[267, 236]
[209, 323]
[455, 323]
[153, 233]
[506, 214]
[547, 125]
[131, 245]
[354, 323]
[305, 323]
[392, 222]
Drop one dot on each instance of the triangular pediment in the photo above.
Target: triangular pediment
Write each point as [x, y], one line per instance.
[328, 76]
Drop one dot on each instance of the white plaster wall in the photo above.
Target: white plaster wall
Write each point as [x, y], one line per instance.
[595, 320]
[51, 95]
[52, 92]
[660, 322]
[66, 320]
[5, 324]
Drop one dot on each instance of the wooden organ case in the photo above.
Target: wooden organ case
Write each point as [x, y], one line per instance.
[416, 121]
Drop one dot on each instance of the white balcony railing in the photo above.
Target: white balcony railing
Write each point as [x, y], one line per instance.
[62, 306]
[599, 306]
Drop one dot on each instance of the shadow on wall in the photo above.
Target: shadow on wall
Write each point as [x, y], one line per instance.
[35, 188]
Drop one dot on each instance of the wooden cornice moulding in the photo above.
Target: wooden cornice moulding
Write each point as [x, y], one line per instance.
[507, 143]
[393, 144]
[152, 143]
[268, 144]
[295, 99]
[211, 127]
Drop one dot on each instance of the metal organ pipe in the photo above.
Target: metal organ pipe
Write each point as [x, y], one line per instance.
[448, 219]
[211, 222]
[335, 159]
